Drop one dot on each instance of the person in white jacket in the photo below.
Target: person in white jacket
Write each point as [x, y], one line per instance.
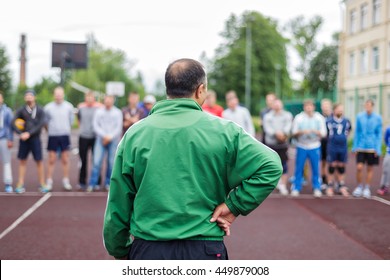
[238, 114]
[277, 127]
[308, 128]
[107, 124]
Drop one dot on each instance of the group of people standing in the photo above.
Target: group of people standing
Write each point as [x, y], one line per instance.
[320, 139]
[101, 126]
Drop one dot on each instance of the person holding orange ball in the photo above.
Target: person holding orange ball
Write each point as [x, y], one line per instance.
[29, 135]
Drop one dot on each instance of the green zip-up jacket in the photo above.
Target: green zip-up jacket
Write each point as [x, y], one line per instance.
[174, 167]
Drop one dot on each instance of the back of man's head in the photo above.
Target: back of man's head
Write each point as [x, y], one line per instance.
[183, 77]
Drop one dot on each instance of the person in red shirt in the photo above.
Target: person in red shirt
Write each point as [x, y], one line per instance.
[210, 105]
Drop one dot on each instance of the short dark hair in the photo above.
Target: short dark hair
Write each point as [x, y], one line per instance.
[183, 76]
[370, 100]
[336, 105]
[309, 101]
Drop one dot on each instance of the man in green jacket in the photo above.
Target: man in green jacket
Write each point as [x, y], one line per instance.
[181, 177]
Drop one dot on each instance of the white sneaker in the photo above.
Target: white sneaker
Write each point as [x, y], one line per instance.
[366, 192]
[90, 189]
[294, 193]
[358, 191]
[317, 193]
[49, 184]
[282, 189]
[66, 184]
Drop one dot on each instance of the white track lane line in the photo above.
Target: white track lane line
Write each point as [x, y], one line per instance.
[26, 214]
[339, 197]
[377, 198]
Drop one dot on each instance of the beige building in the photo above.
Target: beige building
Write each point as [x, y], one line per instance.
[364, 56]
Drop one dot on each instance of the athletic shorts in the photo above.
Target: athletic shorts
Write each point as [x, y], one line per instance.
[282, 152]
[324, 145]
[58, 143]
[32, 145]
[337, 155]
[369, 158]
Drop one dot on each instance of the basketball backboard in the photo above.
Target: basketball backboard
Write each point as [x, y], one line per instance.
[69, 55]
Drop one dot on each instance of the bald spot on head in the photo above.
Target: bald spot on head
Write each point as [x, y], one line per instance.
[183, 76]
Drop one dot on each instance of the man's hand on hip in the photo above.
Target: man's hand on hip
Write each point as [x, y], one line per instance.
[223, 217]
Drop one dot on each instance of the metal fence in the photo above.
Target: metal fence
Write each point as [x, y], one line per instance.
[294, 104]
[354, 100]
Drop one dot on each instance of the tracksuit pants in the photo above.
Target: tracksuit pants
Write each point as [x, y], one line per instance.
[314, 156]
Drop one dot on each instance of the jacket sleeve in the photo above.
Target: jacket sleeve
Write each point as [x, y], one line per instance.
[323, 130]
[267, 125]
[116, 227]
[71, 114]
[255, 172]
[357, 135]
[249, 123]
[288, 126]
[117, 128]
[295, 125]
[379, 137]
[18, 114]
[8, 123]
[35, 129]
[96, 126]
[387, 137]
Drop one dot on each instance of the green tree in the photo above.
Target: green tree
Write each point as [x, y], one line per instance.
[44, 90]
[303, 38]
[5, 74]
[323, 70]
[268, 59]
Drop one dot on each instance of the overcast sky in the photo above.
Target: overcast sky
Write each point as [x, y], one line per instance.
[151, 32]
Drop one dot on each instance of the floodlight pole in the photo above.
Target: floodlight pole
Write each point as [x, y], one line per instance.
[64, 58]
[278, 68]
[248, 63]
[62, 74]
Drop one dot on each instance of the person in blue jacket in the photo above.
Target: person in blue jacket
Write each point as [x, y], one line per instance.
[385, 178]
[367, 146]
[6, 143]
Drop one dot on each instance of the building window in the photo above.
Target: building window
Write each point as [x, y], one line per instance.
[363, 61]
[375, 59]
[376, 11]
[364, 16]
[351, 64]
[352, 22]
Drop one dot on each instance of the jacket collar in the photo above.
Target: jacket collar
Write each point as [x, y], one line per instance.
[177, 104]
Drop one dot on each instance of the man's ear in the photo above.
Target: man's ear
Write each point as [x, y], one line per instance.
[200, 92]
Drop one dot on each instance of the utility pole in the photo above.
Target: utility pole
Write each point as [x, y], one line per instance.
[277, 80]
[248, 65]
[23, 60]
